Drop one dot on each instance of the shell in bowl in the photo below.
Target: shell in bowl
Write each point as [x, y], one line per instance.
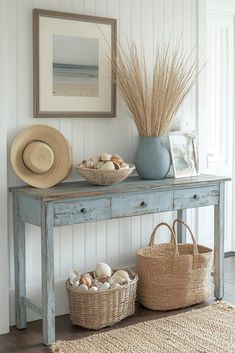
[104, 177]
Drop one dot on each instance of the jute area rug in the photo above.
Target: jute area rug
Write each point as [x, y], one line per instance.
[210, 329]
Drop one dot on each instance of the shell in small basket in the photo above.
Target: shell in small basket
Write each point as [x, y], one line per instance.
[97, 309]
[104, 177]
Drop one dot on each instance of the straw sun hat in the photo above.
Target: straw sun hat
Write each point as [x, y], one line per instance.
[41, 156]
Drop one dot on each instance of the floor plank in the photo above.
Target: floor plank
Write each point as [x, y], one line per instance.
[30, 339]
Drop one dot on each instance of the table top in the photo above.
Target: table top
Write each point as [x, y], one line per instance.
[80, 189]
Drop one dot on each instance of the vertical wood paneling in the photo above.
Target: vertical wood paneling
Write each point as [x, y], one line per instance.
[124, 32]
[150, 22]
[146, 228]
[79, 247]
[113, 242]
[101, 242]
[65, 233]
[136, 36]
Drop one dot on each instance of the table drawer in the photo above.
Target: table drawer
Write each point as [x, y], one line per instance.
[196, 197]
[72, 212]
[142, 203]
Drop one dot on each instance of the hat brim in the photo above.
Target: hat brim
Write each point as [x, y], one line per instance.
[62, 165]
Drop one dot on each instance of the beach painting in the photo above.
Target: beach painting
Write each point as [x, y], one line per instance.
[75, 66]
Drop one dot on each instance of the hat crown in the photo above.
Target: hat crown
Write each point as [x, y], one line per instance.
[38, 157]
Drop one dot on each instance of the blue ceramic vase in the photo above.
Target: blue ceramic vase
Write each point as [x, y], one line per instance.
[152, 158]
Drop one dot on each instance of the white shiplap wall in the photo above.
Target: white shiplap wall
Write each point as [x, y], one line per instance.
[4, 277]
[115, 241]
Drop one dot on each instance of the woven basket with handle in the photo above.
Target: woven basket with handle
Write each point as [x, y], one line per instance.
[173, 275]
[95, 310]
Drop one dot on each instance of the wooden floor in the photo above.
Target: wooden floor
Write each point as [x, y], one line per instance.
[30, 339]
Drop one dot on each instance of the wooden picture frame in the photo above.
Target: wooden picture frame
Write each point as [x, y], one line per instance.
[184, 153]
[73, 75]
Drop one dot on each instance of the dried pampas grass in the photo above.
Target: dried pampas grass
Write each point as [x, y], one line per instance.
[153, 100]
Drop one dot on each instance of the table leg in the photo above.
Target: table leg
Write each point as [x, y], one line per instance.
[219, 245]
[20, 271]
[181, 230]
[48, 290]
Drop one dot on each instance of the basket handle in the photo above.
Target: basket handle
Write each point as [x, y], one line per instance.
[195, 247]
[173, 236]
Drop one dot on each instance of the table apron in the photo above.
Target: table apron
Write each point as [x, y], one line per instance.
[91, 210]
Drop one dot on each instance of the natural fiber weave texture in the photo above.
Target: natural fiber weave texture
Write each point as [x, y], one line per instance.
[173, 276]
[61, 159]
[206, 330]
[104, 177]
[95, 310]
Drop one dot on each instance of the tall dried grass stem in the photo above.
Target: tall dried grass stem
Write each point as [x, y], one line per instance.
[154, 99]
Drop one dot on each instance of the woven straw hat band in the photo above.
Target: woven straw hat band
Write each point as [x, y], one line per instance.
[38, 157]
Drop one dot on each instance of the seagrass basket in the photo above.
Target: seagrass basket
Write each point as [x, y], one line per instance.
[94, 310]
[173, 276]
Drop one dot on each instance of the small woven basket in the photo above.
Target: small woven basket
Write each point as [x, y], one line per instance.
[173, 276]
[94, 310]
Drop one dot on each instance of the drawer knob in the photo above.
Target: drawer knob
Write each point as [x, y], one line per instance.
[83, 210]
[143, 204]
[196, 197]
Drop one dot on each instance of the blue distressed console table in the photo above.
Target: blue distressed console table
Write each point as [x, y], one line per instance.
[79, 202]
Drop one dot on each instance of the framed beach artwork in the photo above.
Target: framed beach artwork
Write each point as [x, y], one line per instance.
[184, 153]
[73, 75]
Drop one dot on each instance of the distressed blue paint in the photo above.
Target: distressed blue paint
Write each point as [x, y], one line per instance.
[76, 211]
[196, 197]
[141, 203]
[82, 189]
[31, 305]
[20, 271]
[30, 210]
[181, 230]
[219, 244]
[48, 290]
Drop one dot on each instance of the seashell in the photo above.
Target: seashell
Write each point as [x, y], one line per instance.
[76, 284]
[87, 275]
[105, 156]
[83, 287]
[116, 158]
[108, 166]
[87, 280]
[89, 163]
[99, 164]
[96, 283]
[119, 277]
[115, 286]
[95, 159]
[103, 270]
[93, 289]
[116, 165]
[105, 286]
[83, 163]
[103, 279]
[125, 166]
[74, 276]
